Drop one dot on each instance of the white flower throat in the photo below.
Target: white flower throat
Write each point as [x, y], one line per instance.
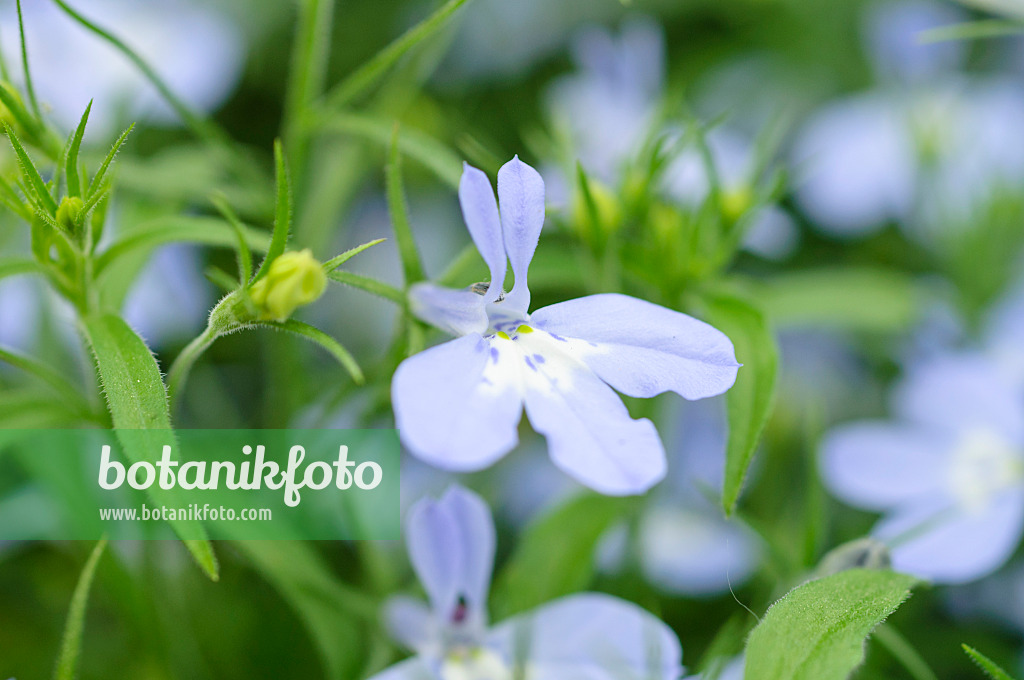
[984, 465]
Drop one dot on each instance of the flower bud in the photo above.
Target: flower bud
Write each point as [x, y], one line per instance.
[736, 201]
[295, 279]
[69, 212]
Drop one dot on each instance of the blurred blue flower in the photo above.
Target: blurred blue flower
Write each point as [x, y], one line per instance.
[451, 544]
[170, 299]
[927, 148]
[683, 544]
[458, 405]
[196, 51]
[609, 109]
[948, 474]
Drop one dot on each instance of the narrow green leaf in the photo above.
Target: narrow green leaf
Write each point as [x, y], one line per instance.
[972, 30]
[336, 262]
[310, 55]
[1010, 8]
[24, 62]
[137, 400]
[847, 298]
[336, 617]
[282, 212]
[71, 645]
[178, 229]
[986, 664]
[31, 174]
[817, 631]
[21, 115]
[327, 342]
[13, 266]
[97, 180]
[412, 266]
[555, 555]
[221, 279]
[369, 73]
[372, 286]
[749, 402]
[244, 254]
[71, 162]
[421, 147]
[57, 382]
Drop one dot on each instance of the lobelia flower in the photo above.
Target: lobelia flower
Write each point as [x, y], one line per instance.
[926, 148]
[195, 50]
[948, 476]
[458, 405]
[598, 637]
[683, 544]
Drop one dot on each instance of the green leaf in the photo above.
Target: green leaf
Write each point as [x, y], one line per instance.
[412, 266]
[360, 80]
[555, 555]
[137, 400]
[21, 115]
[846, 298]
[57, 382]
[71, 645]
[421, 147]
[35, 181]
[749, 402]
[373, 286]
[97, 180]
[986, 664]
[244, 254]
[339, 260]
[282, 212]
[327, 342]
[29, 87]
[972, 30]
[177, 229]
[817, 631]
[335, 615]
[13, 266]
[310, 56]
[71, 162]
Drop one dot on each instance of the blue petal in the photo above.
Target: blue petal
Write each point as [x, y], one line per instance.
[480, 211]
[590, 434]
[593, 636]
[458, 312]
[642, 349]
[521, 196]
[410, 669]
[960, 392]
[960, 546]
[880, 465]
[411, 622]
[451, 544]
[457, 405]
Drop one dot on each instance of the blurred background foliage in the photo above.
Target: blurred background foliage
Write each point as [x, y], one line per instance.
[848, 314]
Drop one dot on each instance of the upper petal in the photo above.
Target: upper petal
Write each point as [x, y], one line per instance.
[457, 405]
[642, 349]
[480, 211]
[458, 312]
[948, 546]
[521, 197]
[880, 465]
[590, 434]
[592, 636]
[451, 544]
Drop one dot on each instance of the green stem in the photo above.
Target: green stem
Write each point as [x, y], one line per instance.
[309, 68]
[178, 373]
[904, 652]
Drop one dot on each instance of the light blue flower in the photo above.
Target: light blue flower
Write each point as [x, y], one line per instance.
[683, 544]
[196, 50]
[451, 544]
[458, 405]
[948, 475]
[927, 149]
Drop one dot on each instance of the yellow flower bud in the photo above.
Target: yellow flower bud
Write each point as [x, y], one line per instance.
[69, 212]
[294, 279]
[736, 202]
